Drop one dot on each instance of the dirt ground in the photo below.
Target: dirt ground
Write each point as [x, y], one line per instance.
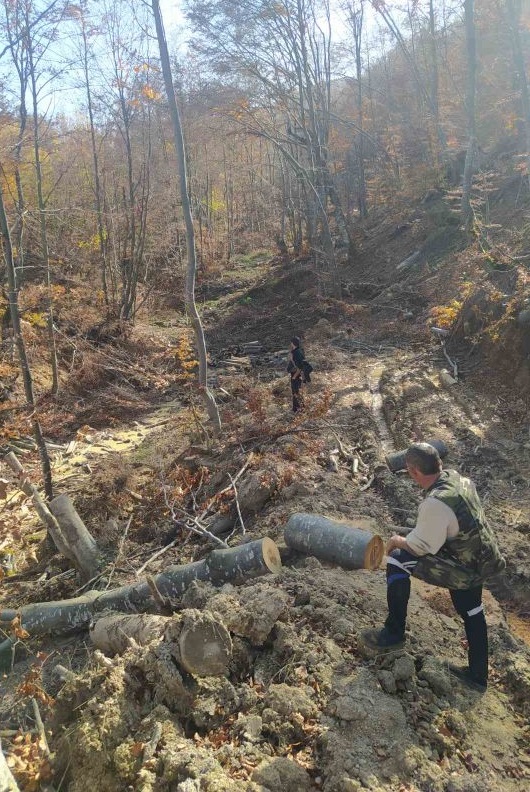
[300, 708]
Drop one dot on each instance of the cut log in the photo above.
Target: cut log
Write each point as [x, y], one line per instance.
[396, 461]
[77, 536]
[41, 508]
[341, 542]
[112, 634]
[219, 567]
[69, 534]
[199, 642]
[7, 782]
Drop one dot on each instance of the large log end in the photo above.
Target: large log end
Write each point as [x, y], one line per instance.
[271, 555]
[205, 645]
[375, 550]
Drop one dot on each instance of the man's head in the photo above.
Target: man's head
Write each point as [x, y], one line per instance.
[423, 464]
[295, 342]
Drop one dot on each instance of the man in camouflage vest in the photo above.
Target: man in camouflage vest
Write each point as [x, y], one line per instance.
[452, 546]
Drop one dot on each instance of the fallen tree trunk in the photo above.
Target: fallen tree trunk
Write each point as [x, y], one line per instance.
[77, 536]
[68, 532]
[330, 540]
[7, 782]
[219, 567]
[29, 489]
[198, 641]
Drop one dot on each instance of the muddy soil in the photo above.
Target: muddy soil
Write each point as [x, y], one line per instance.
[301, 707]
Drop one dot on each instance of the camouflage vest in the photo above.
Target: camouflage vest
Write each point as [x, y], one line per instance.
[475, 546]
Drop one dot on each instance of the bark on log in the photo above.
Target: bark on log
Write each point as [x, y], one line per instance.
[330, 540]
[7, 782]
[396, 461]
[199, 642]
[219, 567]
[77, 536]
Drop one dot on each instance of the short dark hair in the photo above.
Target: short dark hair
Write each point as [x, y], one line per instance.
[423, 457]
[296, 341]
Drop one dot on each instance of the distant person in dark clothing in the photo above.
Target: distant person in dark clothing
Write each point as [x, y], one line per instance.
[296, 370]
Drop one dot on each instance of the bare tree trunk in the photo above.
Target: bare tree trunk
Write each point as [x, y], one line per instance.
[189, 296]
[21, 349]
[97, 183]
[42, 219]
[79, 540]
[339, 542]
[469, 166]
[66, 529]
[514, 8]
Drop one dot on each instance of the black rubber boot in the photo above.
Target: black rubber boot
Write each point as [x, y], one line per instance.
[397, 597]
[380, 641]
[465, 675]
[477, 639]
[392, 636]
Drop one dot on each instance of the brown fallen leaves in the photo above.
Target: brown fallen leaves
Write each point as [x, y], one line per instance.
[28, 762]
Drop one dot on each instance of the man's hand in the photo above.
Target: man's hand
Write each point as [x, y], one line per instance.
[397, 543]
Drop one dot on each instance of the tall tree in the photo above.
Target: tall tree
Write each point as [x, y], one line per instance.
[469, 165]
[80, 13]
[354, 10]
[127, 98]
[27, 378]
[280, 56]
[191, 306]
[513, 13]
[37, 41]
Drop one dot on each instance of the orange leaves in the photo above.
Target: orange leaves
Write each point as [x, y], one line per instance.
[17, 629]
[445, 315]
[28, 761]
[31, 685]
[148, 92]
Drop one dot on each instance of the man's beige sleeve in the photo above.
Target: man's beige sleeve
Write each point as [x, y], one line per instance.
[435, 524]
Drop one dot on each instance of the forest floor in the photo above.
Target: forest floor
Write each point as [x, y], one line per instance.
[302, 708]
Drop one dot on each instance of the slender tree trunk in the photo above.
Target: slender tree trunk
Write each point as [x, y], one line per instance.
[97, 183]
[514, 8]
[469, 166]
[189, 296]
[43, 227]
[21, 349]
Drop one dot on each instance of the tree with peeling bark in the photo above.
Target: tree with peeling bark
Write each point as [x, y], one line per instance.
[189, 296]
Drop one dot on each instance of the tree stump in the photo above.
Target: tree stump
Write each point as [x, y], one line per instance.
[77, 536]
[198, 641]
[341, 542]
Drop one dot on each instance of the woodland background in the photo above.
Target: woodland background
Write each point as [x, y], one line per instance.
[295, 134]
[358, 174]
